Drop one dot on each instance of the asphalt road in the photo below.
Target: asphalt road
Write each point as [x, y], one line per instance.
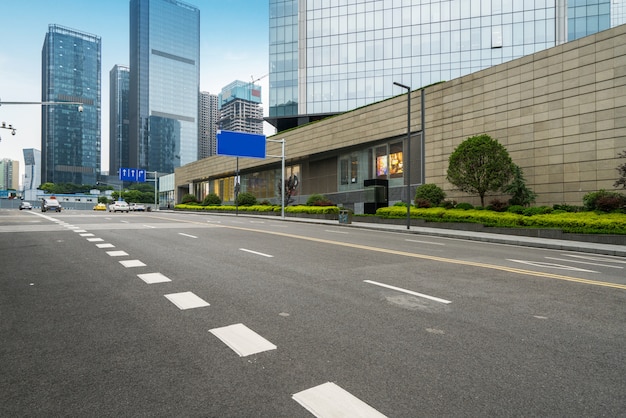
[173, 314]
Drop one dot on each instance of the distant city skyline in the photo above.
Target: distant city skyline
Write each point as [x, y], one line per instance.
[225, 55]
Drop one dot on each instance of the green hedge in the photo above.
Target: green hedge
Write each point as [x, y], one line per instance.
[578, 222]
[262, 208]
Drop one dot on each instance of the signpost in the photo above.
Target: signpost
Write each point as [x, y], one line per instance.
[242, 144]
[133, 174]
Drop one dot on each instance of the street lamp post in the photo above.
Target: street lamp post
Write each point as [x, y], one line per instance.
[407, 160]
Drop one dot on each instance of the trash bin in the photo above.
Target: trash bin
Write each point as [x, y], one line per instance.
[345, 217]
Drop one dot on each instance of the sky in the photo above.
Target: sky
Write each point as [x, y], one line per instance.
[233, 46]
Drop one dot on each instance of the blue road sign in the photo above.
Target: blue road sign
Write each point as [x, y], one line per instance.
[132, 174]
[240, 144]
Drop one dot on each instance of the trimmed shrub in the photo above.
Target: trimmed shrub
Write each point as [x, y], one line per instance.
[464, 206]
[590, 200]
[568, 208]
[314, 198]
[610, 203]
[447, 204]
[402, 204]
[537, 210]
[430, 192]
[422, 203]
[497, 205]
[246, 199]
[189, 198]
[212, 200]
[516, 209]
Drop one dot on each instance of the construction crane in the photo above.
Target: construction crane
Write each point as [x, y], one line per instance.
[260, 78]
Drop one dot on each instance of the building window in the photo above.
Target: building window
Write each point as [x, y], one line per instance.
[382, 166]
[348, 170]
[395, 160]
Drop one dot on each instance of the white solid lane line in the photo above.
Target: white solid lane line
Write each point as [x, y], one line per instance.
[584, 262]
[151, 278]
[187, 235]
[256, 252]
[242, 340]
[186, 300]
[330, 400]
[425, 242]
[410, 292]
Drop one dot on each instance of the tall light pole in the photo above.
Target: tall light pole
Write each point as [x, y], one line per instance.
[13, 130]
[407, 160]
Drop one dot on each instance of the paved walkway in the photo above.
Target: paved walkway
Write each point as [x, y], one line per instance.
[555, 244]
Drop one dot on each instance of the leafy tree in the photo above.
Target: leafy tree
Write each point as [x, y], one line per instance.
[47, 187]
[520, 194]
[621, 169]
[479, 165]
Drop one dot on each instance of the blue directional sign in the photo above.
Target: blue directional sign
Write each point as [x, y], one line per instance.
[240, 144]
[132, 174]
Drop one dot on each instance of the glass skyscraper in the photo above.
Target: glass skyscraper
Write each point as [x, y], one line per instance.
[70, 140]
[164, 84]
[119, 79]
[329, 56]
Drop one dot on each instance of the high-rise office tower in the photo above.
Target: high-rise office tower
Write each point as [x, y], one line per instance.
[70, 140]
[119, 78]
[164, 84]
[208, 121]
[328, 57]
[32, 169]
[240, 108]
[9, 174]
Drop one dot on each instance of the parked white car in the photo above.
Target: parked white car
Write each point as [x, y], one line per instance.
[119, 206]
[137, 207]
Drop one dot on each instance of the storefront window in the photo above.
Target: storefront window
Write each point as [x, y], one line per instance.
[395, 160]
[382, 165]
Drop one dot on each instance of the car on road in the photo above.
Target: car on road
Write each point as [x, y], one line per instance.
[100, 206]
[50, 204]
[137, 207]
[119, 206]
[25, 205]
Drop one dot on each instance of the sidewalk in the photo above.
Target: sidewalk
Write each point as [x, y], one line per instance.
[553, 244]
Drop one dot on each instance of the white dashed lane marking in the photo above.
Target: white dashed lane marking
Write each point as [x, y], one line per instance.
[117, 253]
[256, 252]
[330, 400]
[187, 235]
[186, 300]
[95, 239]
[88, 234]
[410, 292]
[131, 263]
[105, 245]
[242, 340]
[151, 278]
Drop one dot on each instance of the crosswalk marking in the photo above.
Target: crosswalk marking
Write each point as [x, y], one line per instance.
[242, 340]
[95, 239]
[105, 245]
[330, 400]
[186, 300]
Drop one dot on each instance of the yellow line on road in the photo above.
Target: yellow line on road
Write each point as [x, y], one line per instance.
[425, 257]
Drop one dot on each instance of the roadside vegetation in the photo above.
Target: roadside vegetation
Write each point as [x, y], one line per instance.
[479, 166]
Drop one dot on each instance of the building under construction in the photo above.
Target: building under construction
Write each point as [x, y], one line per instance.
[240, 108]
